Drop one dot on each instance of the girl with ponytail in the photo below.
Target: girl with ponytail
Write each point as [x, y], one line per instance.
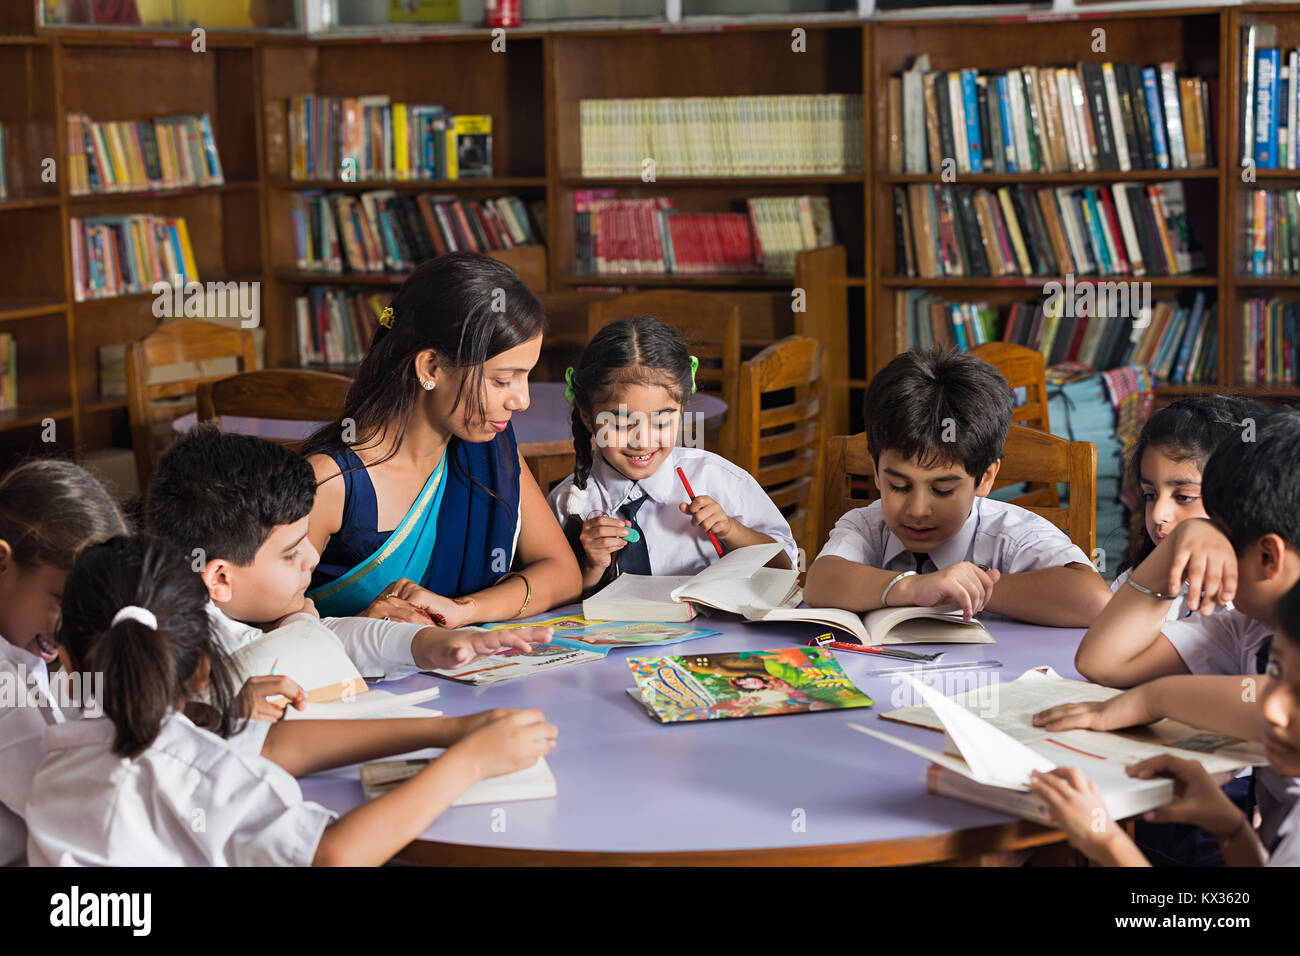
[624, 507]
[144, 785]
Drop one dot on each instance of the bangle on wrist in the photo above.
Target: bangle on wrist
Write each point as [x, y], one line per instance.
[884, 595]
[1142, 589]
[528, 592]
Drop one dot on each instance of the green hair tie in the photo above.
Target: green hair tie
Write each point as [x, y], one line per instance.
[568, 384]
[695, 364]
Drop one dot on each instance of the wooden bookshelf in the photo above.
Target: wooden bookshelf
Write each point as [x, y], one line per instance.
[243, 230]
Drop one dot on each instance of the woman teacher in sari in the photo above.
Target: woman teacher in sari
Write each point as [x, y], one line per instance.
[424, 508]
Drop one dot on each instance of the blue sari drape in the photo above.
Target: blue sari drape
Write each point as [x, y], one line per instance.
[458, 537]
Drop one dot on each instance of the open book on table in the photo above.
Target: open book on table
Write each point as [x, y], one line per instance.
[532, 783]
[987, 760]
[739, 583]
[309, 654]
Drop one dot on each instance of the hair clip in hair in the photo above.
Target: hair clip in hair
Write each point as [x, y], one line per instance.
[695, 364]
[386, 317]
[133, 612]
[568, 384]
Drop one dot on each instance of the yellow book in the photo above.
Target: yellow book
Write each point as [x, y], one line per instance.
[190, 267]
[116, 156]
[469, 153]
[1013, 228]
[401, 146]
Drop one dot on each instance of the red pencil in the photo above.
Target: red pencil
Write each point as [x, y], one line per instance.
[712, 537]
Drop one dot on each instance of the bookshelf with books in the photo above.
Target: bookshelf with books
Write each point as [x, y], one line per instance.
[1019, 200]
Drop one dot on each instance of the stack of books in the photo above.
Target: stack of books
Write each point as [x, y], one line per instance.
[360, 138]
[1109, 117]
[132, 156]
[1268, 332]
[1270, 100]
[122, 255]
[804, 135]
[8, 371]
[1272, 246]
[1088, 324]
[651, 236]
[1121, 229]
[336, 325]
[381, 231]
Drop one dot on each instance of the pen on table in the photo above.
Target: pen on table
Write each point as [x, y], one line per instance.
[825, 641]
[690, 494]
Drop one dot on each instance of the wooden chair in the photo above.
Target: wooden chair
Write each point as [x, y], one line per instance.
[782, 445]
[152, 406]
[1028, 456]
[710, 325]
[300, 395]
[1024, 368]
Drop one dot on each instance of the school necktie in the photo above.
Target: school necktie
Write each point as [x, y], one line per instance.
[1261, 656]
[920, 561]
[634, 557]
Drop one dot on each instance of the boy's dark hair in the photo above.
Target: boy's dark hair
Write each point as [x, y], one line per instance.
[924, 396]
[1287, 613]
[1253, 486]
[639, 351]
[145, 669]
[1188, 429]
[51, 510]
[226, 493]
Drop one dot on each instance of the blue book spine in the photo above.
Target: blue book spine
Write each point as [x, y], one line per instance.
[1151, 91]
[972, 111]
[1104, 265]
[958, 328]
[1268, 64]
[1008, 134]
[1193, 328]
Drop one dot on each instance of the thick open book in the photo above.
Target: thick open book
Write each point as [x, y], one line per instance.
[309, 654]
[740, 584]
[987, 759]
[532, 783]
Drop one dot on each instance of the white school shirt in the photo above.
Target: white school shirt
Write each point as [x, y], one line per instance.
[996, 534]
[381, 650]
[1287, 851]
[676, 546]
[1177, 607]
[190, 799]
[27, 709]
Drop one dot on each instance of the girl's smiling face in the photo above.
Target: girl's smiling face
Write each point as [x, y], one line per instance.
[30, 601]
[635, 427]
[1171, 491]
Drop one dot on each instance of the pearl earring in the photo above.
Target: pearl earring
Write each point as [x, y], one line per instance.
[428, 385]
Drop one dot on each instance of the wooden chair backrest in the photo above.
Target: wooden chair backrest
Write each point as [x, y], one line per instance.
[303, 395]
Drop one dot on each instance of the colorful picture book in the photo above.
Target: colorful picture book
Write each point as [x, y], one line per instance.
[793, 680]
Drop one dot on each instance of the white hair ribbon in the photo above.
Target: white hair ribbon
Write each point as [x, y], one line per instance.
[133, 612]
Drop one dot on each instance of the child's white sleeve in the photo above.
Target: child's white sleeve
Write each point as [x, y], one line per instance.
[1224, 643]
[852, 538]
[380, 649]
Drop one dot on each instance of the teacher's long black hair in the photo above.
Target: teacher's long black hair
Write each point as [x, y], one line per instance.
[464, 306]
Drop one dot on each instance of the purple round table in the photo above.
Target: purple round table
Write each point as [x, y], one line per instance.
[541, 429]
[795, 789]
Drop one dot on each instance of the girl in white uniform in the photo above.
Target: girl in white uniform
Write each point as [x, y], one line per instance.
[146, 785]
[50, 510]
[1166, 467]
[625, 508]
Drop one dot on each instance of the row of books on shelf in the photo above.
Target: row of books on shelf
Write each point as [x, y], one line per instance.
[1272, 246]
[358, 138]
[135, 155]
[381, 231]
[803, 135]
[1178, 342]
[8, 371]
[650, 236]
[1269, 330]
[1109, 117]
[123, 255]
[1022, 230]
[1270, 99]
[336, 325]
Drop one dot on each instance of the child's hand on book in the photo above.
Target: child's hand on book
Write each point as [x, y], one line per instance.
[1078, 809]
[708, 514]
[449, 649]
[964, 584]
[601, 537]
[1129, 709]
[1198, 798]
[253, 703]
[510, 743]
[1199, 553]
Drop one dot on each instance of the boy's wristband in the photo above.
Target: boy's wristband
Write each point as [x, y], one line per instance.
[1141, 589]
[884, 595]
